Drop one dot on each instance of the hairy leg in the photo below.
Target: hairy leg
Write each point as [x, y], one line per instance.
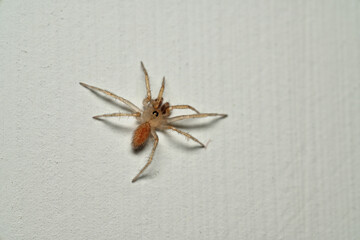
[156, 140]
[185, 134]
[127, 102]
[146, 82]
[159, 98]
[183, 107]
[118, 115]
[202, 115]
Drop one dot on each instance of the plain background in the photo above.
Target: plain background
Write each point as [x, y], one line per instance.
[283, 165]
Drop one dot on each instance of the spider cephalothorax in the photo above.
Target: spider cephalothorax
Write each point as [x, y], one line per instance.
[154, 116]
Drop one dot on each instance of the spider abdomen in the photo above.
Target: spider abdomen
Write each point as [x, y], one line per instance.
[141, 134]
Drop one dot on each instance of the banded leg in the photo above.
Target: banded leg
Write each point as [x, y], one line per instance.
[183, 107]
[127, 102]
[185, 134]
[156, 140]
[118, 115]
[202, 115]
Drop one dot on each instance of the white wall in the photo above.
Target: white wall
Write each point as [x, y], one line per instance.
[283, 165]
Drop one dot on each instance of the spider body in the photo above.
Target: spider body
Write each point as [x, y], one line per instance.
[141, 135]
[154, 117]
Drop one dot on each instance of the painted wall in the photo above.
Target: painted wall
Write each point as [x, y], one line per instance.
[283, 165]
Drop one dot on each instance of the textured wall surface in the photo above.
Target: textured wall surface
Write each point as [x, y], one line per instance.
[283, 165]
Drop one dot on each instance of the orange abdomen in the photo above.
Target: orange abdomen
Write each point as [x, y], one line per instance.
[141, 134]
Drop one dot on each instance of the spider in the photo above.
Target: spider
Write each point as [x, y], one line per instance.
[154, 116]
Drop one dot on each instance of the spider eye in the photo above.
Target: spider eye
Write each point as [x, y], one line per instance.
[155, 113]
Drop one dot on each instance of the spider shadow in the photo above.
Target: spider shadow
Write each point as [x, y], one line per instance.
[109, 100]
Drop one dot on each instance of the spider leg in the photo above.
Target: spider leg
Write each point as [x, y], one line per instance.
[202, 115]
[156, 140]
[159, 98]
[118, 115]
[183, 107]
[127, 102]
[146, 82]
[185, 134]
